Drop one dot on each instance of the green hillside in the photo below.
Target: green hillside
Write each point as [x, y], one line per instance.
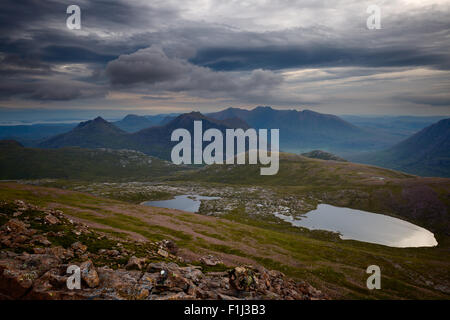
[17, 162]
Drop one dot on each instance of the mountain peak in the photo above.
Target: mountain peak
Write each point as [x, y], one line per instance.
[194, 115]
[97, 121]
[132, 117]
[100, 119]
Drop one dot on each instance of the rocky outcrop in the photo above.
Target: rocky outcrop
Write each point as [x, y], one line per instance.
[36, 252]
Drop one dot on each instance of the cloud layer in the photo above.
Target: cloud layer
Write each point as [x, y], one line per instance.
[209, 54]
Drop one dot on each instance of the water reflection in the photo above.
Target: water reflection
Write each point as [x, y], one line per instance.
[364, 226]
[190, 203]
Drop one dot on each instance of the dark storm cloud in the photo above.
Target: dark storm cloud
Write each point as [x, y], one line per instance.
[74, 54]
[419, 38]
[231, 58]
[49, 90]
[154, 69]
[275, 58]
[146, 66]
[39, 28]
[13, 64]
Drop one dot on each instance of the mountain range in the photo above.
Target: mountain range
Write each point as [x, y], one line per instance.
[371, 140]
[425, 153]
[155, 141]
[299, 130]
[306, 130]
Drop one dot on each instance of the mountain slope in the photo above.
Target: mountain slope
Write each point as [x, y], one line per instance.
[97, 133]
[426, 153]
[397, 127]
[306, 130]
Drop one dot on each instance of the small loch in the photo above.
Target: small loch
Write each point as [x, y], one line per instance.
[364, 226]
[187, 202]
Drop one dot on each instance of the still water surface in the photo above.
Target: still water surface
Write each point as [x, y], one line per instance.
[364, 226]
[190, 203]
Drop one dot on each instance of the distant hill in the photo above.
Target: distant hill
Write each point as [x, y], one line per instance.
[97, 133]
[133, 123]
[426, 153]
[298, 170]
[17, 162]
[319, 154]
[305, 130]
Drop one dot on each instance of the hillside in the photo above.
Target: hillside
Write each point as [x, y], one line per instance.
[97, 133]
[397, 127]
[17, 162]
[426, 153]
[334, 266]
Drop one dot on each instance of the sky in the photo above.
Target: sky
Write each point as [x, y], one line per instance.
[164, 56]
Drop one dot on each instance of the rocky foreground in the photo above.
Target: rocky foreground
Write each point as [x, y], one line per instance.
[37, 245]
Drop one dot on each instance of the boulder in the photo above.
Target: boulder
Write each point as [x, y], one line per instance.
[243, 279]
[169, 246]
[210, 260]
[51, 219]
[89, 274]
[79, 248]
[136, 263]
[163, 253]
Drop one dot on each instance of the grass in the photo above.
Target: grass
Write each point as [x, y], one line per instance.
[333, 265]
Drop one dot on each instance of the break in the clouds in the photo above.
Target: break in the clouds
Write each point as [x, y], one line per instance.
[208, 54]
